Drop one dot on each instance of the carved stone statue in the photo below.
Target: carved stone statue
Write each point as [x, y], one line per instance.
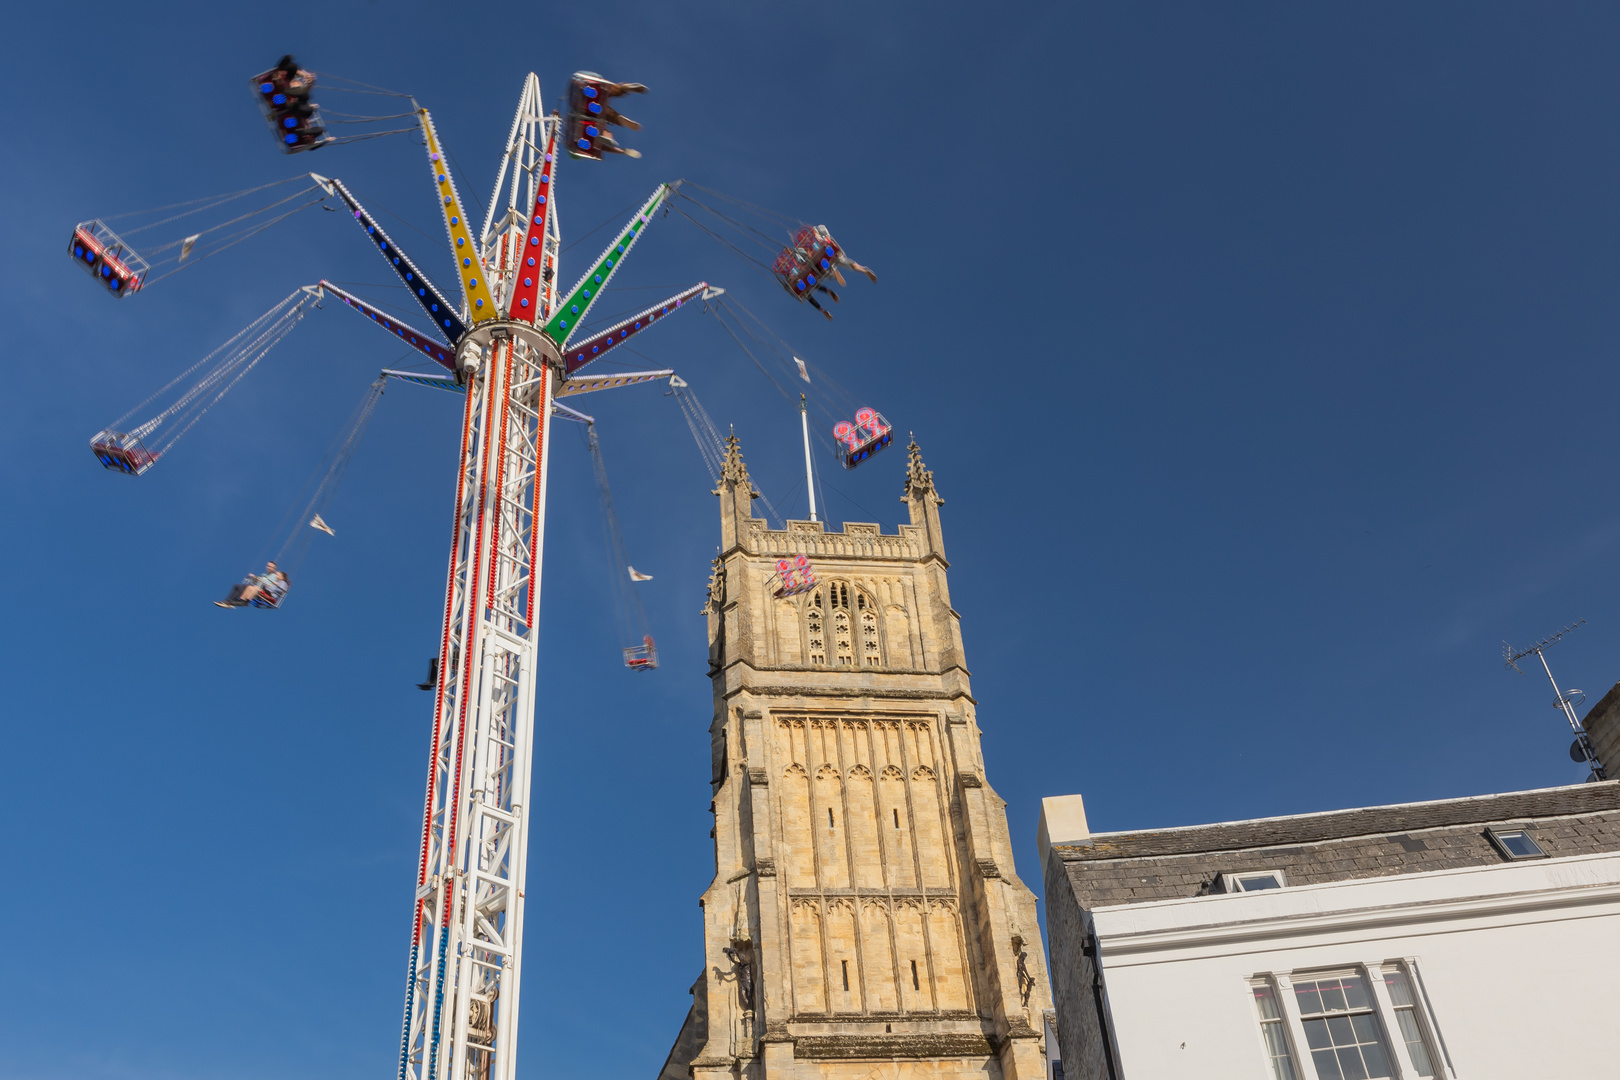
[1026, 981]
[745, 977]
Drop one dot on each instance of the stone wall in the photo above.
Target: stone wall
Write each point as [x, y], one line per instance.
[1081, 1023]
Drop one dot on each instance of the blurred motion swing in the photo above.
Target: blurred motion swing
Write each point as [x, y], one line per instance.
[269, 588]
[109, 257]
[631, 616]
[134, 451]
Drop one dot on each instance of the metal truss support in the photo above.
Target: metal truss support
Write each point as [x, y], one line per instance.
[466, 957]
[461, 1004]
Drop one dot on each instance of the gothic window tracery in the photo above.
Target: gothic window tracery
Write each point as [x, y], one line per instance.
[871, 652]
[850, 617]
[816, 640]
[841, 637]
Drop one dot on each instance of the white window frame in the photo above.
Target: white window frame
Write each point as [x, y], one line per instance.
[1508, 853]
[1381, 1015]
[1232, 880]
[1372, 972]
[1422, 1011]
[1291, 1030]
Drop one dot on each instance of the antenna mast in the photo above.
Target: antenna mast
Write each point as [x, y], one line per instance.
[809, 477]
[1566, 702]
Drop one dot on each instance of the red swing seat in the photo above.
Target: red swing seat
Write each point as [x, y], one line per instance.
[107, 258]
[643, 657]
[121, 452]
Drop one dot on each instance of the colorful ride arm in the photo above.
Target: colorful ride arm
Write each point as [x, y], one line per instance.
[446, 319]
[594, 347]
[480, 302]
[571, 311]
[438, 382]
[533, 260]
[590, 383]
[411, 336]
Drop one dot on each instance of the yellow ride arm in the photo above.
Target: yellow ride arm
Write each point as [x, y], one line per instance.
[475, 294]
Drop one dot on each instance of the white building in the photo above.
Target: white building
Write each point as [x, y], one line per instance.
[1465, 938]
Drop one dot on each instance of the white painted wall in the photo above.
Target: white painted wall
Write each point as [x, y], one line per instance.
[1521, 962]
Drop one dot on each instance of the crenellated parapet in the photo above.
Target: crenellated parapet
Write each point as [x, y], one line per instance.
[858, 540]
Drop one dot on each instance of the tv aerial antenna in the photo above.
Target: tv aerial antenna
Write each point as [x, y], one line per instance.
[1582, 749]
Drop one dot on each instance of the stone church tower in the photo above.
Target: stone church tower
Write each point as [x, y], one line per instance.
[864, 921]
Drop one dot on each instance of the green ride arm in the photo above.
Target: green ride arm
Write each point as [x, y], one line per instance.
[572, 309]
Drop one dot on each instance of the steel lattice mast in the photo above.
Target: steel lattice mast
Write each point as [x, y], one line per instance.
[513, 354]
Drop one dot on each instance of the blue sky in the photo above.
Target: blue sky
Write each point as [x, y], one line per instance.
[1263, 354]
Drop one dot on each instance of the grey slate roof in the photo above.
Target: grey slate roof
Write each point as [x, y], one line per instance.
[1162, 864]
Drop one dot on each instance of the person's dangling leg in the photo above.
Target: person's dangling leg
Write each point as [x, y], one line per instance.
[605, 143]
[614, 116]
[858, 268]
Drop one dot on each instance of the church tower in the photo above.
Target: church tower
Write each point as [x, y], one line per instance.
[864, 920]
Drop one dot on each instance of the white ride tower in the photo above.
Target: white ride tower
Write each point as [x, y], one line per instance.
[514, 357]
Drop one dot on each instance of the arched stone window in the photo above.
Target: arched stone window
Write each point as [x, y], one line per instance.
[850, 618]
[816, 639]
[842, 638]
[842, 629]
[871, 650]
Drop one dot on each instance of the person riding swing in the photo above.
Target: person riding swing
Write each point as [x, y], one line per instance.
[260, 590]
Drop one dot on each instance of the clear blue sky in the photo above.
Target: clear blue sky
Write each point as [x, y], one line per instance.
[1264, 354]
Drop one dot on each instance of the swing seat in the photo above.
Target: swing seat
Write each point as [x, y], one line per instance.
[107, 258]
[643, 657]
[293, 117]
[796, 273]
[261, 599]
[866, 436]
[794, 576]
[122, 453]
[812, 257]
[818, 246]
[583, 131]
[852, 458]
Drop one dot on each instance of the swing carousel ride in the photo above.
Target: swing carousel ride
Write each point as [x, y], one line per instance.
[513, 346]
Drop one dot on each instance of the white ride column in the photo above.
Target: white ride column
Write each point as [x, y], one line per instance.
[461, 1004]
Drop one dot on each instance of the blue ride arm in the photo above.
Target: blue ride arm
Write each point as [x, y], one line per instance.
[446, 318]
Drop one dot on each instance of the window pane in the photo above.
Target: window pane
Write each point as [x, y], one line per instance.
[1327, 1066]
[1414, 1042]
[1309, 1000]
[1349, 1045]
[1519, 843]
[1259, 881]
[1377, 1060]
[1400, 992]
[1267, 1002]
[1282, 1063]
